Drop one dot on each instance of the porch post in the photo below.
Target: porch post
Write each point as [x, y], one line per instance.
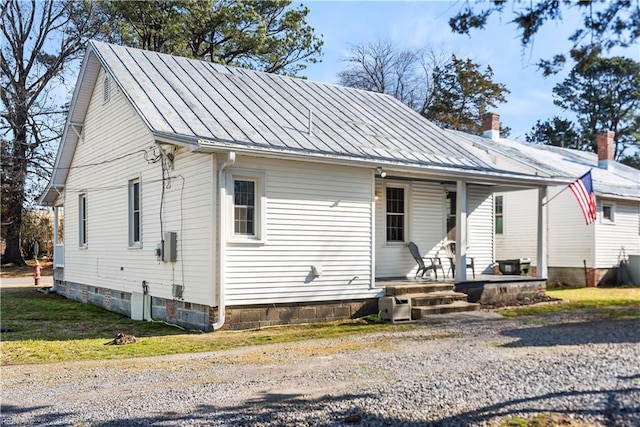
[461, 231]
[55, 229]
[541, 268]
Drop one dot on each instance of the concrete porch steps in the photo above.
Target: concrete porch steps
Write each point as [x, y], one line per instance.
[423, 288]
[453, 307]
[431, 298]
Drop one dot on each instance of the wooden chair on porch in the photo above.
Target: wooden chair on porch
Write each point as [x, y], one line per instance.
[450, 249]
[434, 262]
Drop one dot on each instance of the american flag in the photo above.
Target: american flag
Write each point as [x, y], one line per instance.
[582, 188]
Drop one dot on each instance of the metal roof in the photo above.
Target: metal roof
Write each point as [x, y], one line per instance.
[222, 106]
[215, 107]
[617, 180]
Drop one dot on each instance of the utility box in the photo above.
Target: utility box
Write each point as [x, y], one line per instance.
[169, 246]
[517, 267]
[137, 305]
[394, 308]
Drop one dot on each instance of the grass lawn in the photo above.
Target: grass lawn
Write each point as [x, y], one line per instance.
[613, 302]
[40, 328]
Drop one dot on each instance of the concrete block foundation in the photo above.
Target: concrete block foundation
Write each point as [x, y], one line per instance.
[201, 317]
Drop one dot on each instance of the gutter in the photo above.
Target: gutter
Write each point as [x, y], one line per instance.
[432, 170]
[222, 241]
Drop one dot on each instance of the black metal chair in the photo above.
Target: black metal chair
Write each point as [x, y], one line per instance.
[450, 249]
[434, 262]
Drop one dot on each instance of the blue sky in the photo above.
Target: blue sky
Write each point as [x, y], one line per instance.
[416, 24]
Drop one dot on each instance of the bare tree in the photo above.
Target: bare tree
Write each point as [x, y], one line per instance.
[40, 39]
[381, 67]
[452, 92]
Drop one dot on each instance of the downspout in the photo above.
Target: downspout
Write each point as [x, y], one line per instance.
[222, 241]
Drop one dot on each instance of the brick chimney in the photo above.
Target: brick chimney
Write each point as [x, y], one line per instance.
[491, 126]
[605, 149]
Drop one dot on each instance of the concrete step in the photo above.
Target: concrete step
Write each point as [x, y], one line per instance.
[423, 288]
[435, 298]
[454, 307]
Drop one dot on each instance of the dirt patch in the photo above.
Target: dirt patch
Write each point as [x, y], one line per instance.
[12, 270]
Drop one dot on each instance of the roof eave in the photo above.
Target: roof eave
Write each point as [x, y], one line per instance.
[475, 174]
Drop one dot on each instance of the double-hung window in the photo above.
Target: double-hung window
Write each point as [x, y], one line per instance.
[498, 206]
[247, 196]
[135, 213]
[244, 207]
[396, 198]
[82, 216]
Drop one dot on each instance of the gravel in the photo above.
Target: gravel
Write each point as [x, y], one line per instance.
[452, 371]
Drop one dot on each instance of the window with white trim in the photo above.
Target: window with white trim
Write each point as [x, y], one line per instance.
[244, 207]
[135, 213]
[396, 213]
[82, 216]
[247, 194]
[608, 212]
[498, 206]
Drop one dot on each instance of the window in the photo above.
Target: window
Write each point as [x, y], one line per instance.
[244, 207]
[608, 212]
[82, 215]
[135, 217]
[248, 206]
[450, 206]
[396, 223]
[498, 213]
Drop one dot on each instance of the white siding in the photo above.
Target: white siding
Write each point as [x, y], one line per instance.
[520, 226]
[427, 225]
[425, 222]
[622, 236]
[113, 130]
[480, 229]
[315, 215]
[570, 241]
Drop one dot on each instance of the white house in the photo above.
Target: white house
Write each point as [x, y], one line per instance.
[214, 196]
[578, 254]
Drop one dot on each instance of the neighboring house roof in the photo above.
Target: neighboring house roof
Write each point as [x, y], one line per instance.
[617, 181]
[212, 107]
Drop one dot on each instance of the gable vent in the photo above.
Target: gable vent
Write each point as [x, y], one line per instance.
[106, 90]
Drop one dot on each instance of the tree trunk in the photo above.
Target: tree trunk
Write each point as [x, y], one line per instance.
[17, 174]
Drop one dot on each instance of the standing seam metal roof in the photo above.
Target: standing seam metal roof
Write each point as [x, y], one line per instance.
[197, 100]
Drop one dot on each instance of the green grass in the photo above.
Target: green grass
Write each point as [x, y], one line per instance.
[43, 328]
[611, 302]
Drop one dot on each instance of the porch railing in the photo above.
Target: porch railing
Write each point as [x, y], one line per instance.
[58, 256]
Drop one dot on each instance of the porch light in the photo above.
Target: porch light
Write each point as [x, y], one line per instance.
[381, 172]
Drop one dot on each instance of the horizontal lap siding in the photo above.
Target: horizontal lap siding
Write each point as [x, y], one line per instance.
[426, 228]
[621, 237]
[520, 226]
[113, 130]
[571, 241]
[315, 215]
[480, 228]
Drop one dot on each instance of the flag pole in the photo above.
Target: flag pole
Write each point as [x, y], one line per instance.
[561, 191]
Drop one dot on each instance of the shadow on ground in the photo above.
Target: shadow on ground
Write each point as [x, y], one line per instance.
[601, 331]
[610, 407]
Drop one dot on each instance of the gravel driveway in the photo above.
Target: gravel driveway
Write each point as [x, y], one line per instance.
[456, 371]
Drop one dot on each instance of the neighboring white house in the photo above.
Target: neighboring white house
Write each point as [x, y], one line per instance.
[214, 196]
[578, 254]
